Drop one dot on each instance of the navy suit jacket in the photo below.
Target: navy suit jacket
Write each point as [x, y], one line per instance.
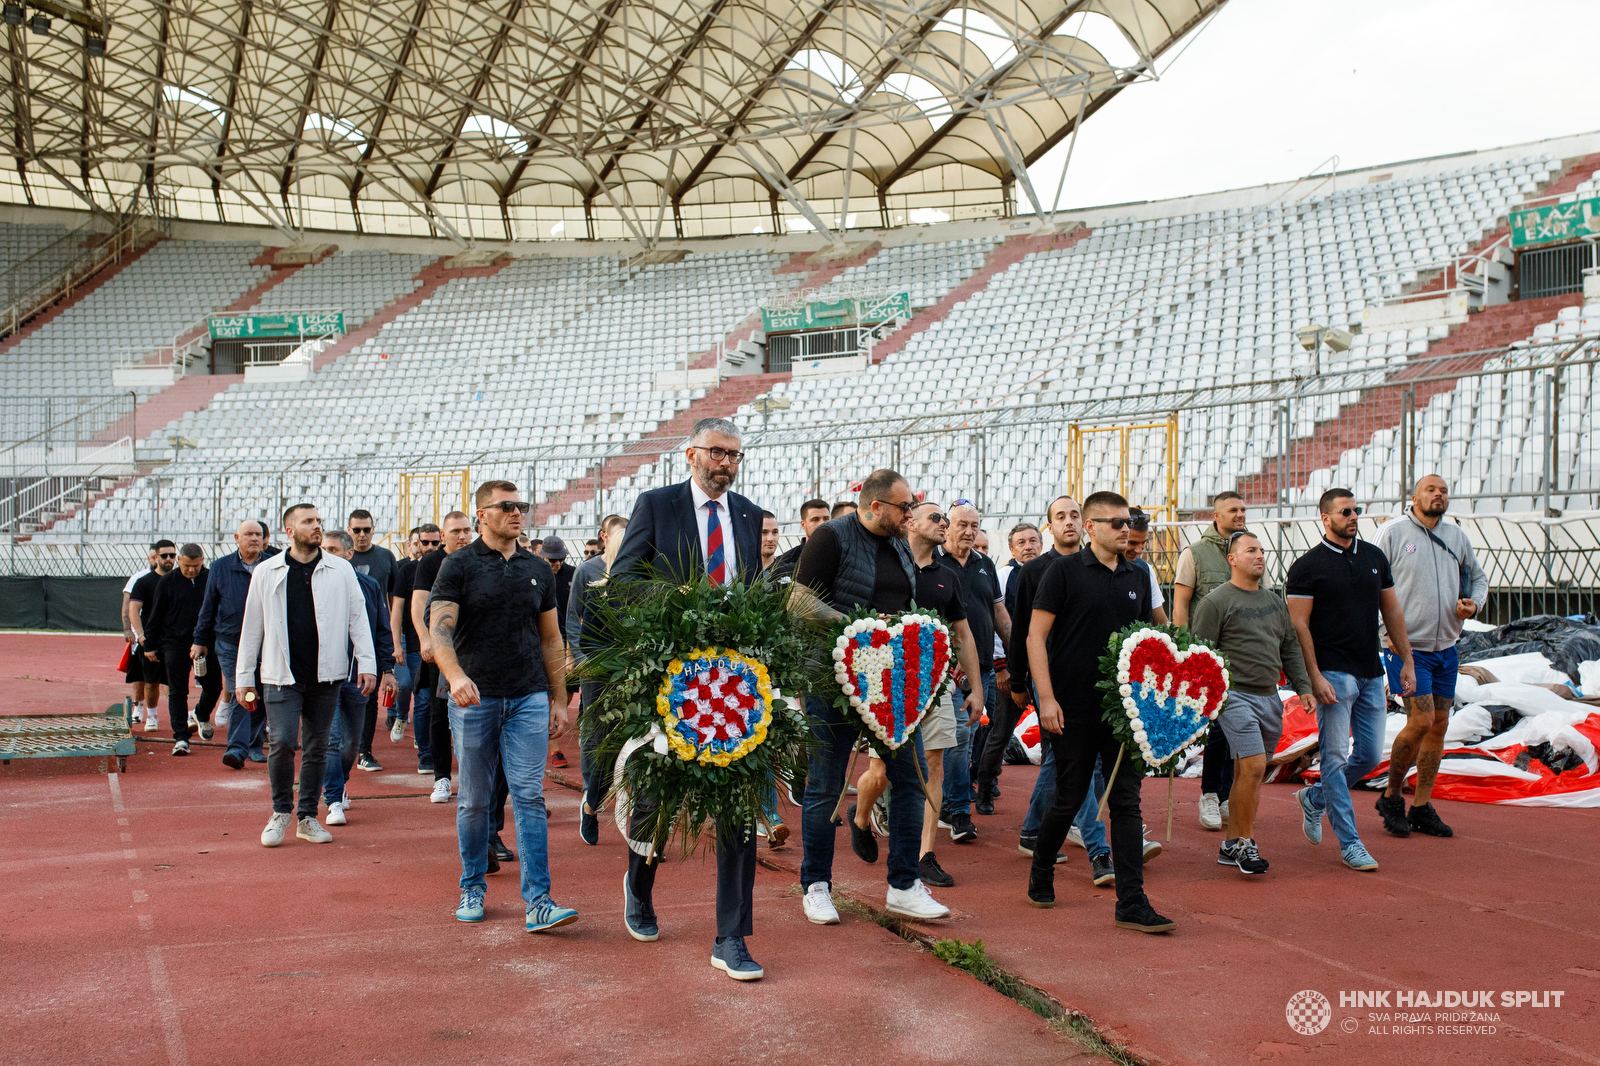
[663, 535]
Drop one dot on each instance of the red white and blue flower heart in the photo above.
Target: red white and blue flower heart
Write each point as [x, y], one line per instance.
[1170, 697]
[892, 673]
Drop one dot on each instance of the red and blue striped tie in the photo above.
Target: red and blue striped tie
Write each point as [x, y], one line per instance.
[714, 561]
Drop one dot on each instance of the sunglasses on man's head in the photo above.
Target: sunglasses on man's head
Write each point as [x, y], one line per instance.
[507, 506]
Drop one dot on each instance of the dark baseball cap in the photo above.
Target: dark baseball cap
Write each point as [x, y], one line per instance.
[553, 547]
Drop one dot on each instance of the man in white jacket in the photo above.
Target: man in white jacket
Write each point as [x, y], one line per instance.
[303, 614]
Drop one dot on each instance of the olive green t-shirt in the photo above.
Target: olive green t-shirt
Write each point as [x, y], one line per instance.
[1254, 631]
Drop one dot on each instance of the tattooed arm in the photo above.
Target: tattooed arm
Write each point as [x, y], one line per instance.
[442, 618]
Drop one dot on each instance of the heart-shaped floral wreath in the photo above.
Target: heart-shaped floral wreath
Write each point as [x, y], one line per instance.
[891, 672]
[1164, 688]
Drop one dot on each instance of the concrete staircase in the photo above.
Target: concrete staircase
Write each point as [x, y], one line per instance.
[1483, 337]
[1000, 259]
[720, 402]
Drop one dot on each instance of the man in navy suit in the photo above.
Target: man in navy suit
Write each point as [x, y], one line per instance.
[677, 533]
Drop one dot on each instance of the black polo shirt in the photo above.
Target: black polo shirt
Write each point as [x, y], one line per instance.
[403, 576]
[1344, 587]
[497, 628]
[1090, 602]
[423, 577]
[939, 591]
[1019, 601]
[980, 589]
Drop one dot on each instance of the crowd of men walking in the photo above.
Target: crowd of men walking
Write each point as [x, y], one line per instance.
[470, 640]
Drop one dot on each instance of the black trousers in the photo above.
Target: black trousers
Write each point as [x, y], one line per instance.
[369, 725]
[1082, 739]
[1216, 766]
[736, 876]
[1002, 721]
[498, 798]
[175, 659]
[439, 741]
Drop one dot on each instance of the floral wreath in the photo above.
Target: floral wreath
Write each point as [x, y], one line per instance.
[1176, 667]
[716, 704]
[887, 683]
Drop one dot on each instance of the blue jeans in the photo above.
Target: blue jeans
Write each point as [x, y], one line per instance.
[246, 731]
[416, 698]
[515, 731]
[957, 760]
[342, 737]
[1360, 713]
[830, 762]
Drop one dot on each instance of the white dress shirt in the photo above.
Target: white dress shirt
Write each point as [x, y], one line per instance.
[702, 516]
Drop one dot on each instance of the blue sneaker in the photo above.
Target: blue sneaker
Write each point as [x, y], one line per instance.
[546, 914]
[637, 915]
[1310, 817]
[471, 908]
[731, 957]
[1356, 857]
[588, 826]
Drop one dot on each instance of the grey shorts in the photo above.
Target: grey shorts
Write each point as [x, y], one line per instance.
[939, 727]
[1252, 724]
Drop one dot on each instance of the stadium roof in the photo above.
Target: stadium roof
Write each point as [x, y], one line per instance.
[505, 119]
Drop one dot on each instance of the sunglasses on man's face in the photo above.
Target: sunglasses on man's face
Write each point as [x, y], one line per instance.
[1348, 511]
[169, 555]
[429, 543]
[507, 506]
[938, 519]
[359, 530]
[1115, 523]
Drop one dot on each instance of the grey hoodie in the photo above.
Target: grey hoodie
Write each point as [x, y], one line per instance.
[1428, 578]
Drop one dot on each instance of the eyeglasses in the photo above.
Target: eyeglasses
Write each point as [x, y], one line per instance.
[1348, 511]
[722, 455]
[507, 506]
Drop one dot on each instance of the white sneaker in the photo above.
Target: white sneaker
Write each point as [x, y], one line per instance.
[344, 801]
[397, 732]
[194, 720]
[138, 714]
[915, 902]
[1075, 837]
[150, 722]
[336, 814]
[310, 830]
[1152, 848]
[272, 835]
[1210, 811]
[441, 791]
[819, 905]
[219, 717]
[1222, 812]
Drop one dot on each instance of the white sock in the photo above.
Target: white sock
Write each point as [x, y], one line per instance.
[151, 709]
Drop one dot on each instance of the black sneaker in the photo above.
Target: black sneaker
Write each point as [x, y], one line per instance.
[425, 765]
[1243, 854]
[1041, 888]
[797, 791]
[1143, 917]
[944, 817]
[961, 829]
[862, 841]
[180, 747]
[232, 761]
[932, 873]
[494, 861]
[1393, 810]
[1425, 820]
[588, 826]
[1025, 845]
[368, 763]
[501, 852]
[984, 804]
[1100, 871]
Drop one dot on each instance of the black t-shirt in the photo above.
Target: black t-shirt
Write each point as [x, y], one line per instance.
[1344, 586]
[426, 573]
[403, 576]
[783, 566]
[1019, 601]
[377, 562]
[939, 590]
[497, 628]
[144, 590]
[819, 567]
[1090, 602]
[979, 589]
[301, 615]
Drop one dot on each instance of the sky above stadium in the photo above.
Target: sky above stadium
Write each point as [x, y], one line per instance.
[1272, 88]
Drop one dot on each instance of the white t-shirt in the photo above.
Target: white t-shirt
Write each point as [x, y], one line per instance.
[127, 590]
[1156, 599]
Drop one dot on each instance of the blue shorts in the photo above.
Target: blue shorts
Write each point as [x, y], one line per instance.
[1436, 672]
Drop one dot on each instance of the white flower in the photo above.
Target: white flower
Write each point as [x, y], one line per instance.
[1125, 690]
[855, 701]
[838, 655]
[849, 690]
[1142, 738]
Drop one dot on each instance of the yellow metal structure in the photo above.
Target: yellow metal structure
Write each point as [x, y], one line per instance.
[420, 490]
[1133, 444]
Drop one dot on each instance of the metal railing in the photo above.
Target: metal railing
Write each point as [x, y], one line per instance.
[33, 299]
